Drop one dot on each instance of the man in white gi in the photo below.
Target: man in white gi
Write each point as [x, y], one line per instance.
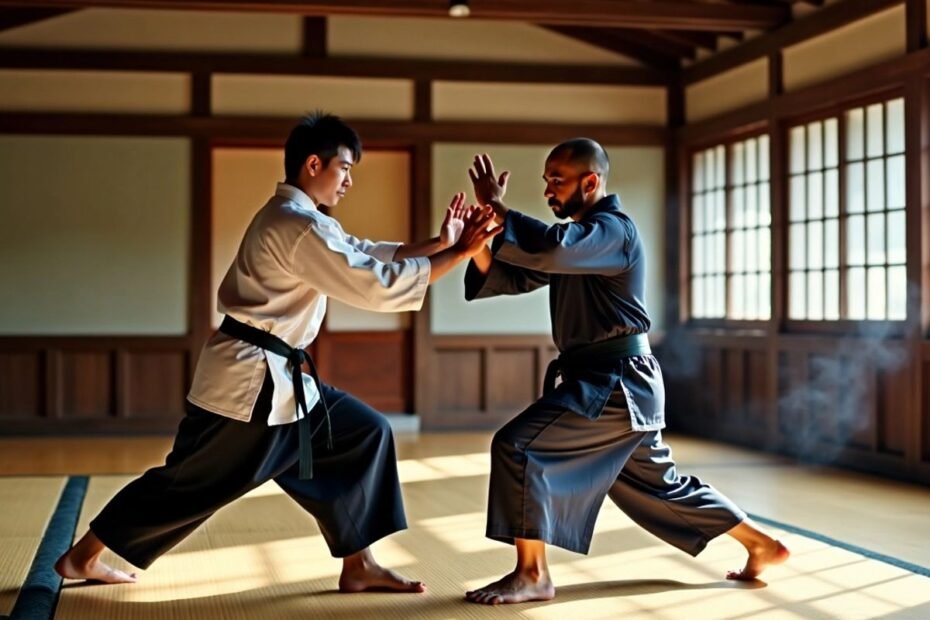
[252, 415]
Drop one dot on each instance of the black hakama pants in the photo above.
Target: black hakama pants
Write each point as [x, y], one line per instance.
[354, 495]
[551, 469]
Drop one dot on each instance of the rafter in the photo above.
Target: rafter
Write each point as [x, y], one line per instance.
[671, 14]
[288, 64]
[706, 40]
[16, 17]
[609, 40]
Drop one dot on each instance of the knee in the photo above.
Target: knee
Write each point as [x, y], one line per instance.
[380, 427]
[506, 442]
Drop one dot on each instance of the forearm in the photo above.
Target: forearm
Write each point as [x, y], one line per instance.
[421, 248]
[443, 262]
[500, 211]
[482, 261]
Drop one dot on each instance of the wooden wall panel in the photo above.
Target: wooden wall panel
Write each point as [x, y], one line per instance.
[734, 391]
[20, 385]
[87, 384]
[892, 411]
[512, 379]
[155, 385]
[373, 366]
[824, 398]
[924, 419]
[457, 375]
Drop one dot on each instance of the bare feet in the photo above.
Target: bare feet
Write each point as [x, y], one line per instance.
[760, 558]
[360, 573]
[82, 561]
[95, 570]
[515, 587]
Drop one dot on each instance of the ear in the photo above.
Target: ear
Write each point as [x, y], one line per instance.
[590, 183]
[314, 165]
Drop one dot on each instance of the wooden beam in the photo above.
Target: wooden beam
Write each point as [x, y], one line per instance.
[16, 17]
[706, 40]
[671, 14]
[393, 134]
[314, 37]
[670, 48]
[275, 64]
[916, 20]
[610, 39]
[824, 20]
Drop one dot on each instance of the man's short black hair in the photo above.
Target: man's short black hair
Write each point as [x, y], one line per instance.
[585, 152]
[318, 134]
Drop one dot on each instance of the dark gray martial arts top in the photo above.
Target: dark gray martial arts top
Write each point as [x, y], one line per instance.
[596, 272]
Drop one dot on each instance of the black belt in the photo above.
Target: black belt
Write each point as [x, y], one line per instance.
[296, 357]
[601, 354]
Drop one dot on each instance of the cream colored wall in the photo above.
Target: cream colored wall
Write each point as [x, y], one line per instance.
[243, 181]
[141, 29]
[863, 43]
[470, 39]
[25, 90]
[376, 207]
[95, 235]
[557, 103]
[637, 175]
[728, 91]
[280, 95]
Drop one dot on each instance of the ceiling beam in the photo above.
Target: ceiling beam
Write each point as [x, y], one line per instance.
[284, 64]
[823, 20]
[16, 17]
[670, 14]
[609, 39]
[706, 40]
[650, 40]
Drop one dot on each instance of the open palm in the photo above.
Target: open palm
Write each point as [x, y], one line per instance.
[453, 224]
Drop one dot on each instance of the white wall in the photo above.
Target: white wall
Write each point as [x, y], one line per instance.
[95, 235]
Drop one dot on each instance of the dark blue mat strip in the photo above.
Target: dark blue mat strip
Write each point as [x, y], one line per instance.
[873, 555]
[39, 595]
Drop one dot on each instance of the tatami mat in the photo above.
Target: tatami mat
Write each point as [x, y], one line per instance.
[26, 504]
[262, 556]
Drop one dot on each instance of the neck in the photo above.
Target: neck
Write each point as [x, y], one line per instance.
[304, 187]
[593, 200]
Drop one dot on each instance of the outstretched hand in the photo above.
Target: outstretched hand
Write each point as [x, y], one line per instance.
[488, 187]
[454, 222]
[476, 234]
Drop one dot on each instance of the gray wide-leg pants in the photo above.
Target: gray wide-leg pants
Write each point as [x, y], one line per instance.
[551, 469]
[354, 494]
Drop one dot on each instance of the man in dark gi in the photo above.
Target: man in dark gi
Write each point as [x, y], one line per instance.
[252, 415]
[599, 431]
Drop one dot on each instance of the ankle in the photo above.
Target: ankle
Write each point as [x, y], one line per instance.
[535, 571]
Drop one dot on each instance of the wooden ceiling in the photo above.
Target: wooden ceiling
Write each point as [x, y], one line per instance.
[661, 34]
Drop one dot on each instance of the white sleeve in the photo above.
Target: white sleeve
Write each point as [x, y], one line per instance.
[339, 269]
[384, 251]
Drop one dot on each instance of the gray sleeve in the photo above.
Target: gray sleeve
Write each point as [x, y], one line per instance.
[597, 245]
[502, 279]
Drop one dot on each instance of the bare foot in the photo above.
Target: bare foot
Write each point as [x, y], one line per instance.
[515, 587]
[760, 558]
[95, 570]
[373, 577]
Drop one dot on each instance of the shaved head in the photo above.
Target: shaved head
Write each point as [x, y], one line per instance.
[583, 153]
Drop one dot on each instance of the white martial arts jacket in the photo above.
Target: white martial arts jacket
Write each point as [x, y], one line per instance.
[291, 259]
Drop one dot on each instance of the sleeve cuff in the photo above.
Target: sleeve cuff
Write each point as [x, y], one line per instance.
[384, 251]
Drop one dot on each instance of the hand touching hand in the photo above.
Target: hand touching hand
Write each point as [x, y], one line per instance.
[488, 187]
[476, 234]
[454, 222]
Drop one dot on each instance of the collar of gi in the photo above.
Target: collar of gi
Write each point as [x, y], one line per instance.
[295, 194]
[610, 202]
